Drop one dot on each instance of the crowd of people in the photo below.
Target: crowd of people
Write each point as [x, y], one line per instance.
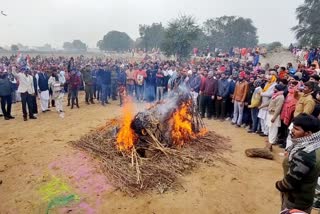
[269, 101]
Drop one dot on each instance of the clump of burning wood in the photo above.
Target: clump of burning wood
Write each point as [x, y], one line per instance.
[153, 148]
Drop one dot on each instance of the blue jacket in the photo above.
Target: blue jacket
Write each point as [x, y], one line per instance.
[256, 60]
[103, 77]
[232, 86]
[122, 78]
[195, 82]
[223, 88]
[5, 86]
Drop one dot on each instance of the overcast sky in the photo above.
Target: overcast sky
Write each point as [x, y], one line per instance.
[36, 22]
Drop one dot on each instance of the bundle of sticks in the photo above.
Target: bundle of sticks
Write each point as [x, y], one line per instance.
[154, 162]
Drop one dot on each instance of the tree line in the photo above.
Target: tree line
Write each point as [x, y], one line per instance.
[183, 33]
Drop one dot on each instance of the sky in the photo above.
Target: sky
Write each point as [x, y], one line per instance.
[37, 22]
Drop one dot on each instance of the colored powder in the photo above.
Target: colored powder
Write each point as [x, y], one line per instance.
[61, 201]
[53, 189]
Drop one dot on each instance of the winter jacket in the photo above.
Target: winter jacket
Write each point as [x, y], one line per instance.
[210, 87]
[305, 104]
[300, 179]
[275, 106]
[74, 81]
[195, 82]
[240, 91]
[5, 86]
[223, 88]
[87, 76]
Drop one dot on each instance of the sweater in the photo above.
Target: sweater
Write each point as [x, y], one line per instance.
[275, 106]
[209, 87]
[300, 179]
[305, 104]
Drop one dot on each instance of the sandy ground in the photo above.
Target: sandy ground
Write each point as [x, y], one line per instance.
[38, 165]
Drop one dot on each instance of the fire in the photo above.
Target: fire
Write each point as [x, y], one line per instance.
[181, 125]
[126, 136]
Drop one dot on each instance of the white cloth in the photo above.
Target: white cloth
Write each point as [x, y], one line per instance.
[264, 127]
[273, 128]
[289, 140]
[59, 102]
[44, 100]
[276, 123]
[25, 82]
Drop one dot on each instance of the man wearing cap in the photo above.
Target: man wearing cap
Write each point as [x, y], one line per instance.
[26, 89]
[239, 96]
[43, 89]
[88, 83]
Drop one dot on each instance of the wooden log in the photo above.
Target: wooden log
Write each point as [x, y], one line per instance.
[259, 153]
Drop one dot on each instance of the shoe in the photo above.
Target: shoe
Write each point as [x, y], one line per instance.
[239, 126]
[44, 111]
[232, 123]
[92, 102]
[87, 103]
[25, 118]
[1, 115]
[11, 117]
[250, 131]
[282, 146]
[228, 118]
[6, 118]
[32, 118]
[61, 111]
[263, 135]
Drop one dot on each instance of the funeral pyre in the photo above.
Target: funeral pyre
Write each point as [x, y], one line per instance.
[151, 149]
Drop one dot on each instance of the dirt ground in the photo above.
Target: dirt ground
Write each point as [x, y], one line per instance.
[37, 165]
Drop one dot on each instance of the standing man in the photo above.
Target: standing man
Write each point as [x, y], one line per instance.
[130, 81]
[74, 85]
[301, 166]
[222, 96]
[195, 83]
[140, 75]
[105, 77]
[88, 83]
[208, 92]
[5, 95]
[306, 102]
[26, 89]
[43, 90]
[239, 96]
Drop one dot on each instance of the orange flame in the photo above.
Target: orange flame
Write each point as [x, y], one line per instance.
[182, 126]
[126, 136]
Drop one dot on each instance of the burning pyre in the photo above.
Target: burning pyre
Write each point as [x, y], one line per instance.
[151, 149]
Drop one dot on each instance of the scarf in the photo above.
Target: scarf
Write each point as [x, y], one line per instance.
[274, 96]
[267, 86]
[307, 144]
